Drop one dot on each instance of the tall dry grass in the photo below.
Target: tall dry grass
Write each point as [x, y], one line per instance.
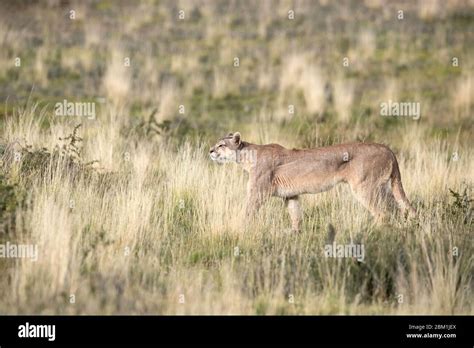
[168, 227]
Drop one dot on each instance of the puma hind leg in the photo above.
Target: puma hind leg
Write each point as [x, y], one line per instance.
[294, 209]
[376, 197]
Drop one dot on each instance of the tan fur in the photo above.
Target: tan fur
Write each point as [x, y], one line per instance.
[370, 169]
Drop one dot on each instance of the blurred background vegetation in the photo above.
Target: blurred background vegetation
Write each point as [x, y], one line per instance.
[335, 62]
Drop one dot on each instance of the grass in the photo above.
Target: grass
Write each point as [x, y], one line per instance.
[130, 215]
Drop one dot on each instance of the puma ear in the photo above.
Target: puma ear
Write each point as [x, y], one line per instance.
[230, 134]
[236, 138]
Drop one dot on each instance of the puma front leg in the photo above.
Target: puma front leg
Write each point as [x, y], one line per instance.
[258, 191]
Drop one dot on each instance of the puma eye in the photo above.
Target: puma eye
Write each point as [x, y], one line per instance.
[221, 145]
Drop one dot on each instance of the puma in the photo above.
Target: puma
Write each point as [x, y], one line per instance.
[370, 169]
